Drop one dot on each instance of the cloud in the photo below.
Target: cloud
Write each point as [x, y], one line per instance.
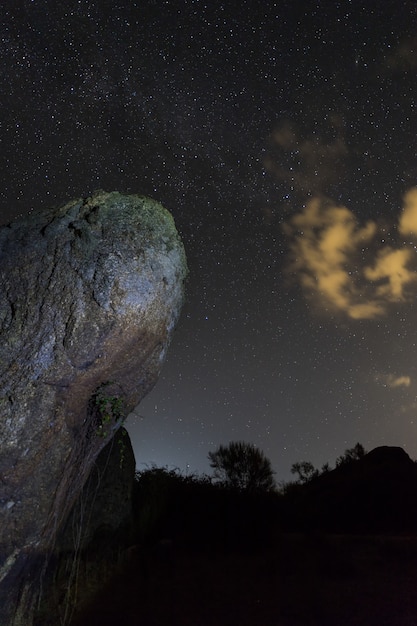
[389, 380]
[408, 221]
[329, 248]
[403, 58]
[399, 381]
[308, 165]
[391, 267]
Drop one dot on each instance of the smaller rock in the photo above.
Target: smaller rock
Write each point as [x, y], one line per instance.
[104, 507]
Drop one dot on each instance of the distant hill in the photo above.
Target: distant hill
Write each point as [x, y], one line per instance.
[377, 493]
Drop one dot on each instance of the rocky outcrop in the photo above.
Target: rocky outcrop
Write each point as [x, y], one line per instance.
[89, 296]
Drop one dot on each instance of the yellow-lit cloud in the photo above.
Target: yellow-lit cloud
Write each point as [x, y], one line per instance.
[400, 381]
[391, 267]
[395, 381]
[407, 225]
[327, 244]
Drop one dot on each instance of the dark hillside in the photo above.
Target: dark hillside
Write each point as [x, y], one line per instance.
[375, 494]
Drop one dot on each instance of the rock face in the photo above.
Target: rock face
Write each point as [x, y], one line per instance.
[89, 296]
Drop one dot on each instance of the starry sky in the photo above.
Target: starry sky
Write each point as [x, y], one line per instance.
[282, 136]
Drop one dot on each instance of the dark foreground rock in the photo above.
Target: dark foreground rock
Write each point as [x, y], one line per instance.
[99, 529]
[103, 512]
[89, 296]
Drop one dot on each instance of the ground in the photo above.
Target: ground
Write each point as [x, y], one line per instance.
[297, 580]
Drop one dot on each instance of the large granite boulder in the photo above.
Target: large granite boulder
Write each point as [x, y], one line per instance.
[89, 296]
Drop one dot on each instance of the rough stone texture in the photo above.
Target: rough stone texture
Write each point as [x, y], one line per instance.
[89, 295]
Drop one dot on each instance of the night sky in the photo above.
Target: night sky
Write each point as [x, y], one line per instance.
[282, 136]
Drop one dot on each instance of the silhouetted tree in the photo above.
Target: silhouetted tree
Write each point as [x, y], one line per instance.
[351, 454]
[242, 466]
[305, 470]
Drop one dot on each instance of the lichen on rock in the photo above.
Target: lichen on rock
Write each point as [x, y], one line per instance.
[89, 296]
